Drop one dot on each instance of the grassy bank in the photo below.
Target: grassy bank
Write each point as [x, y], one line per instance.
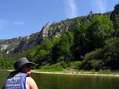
[79, 72]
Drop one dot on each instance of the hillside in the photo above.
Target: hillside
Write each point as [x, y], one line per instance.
[49, 30]
[85, 42]
[11, 45]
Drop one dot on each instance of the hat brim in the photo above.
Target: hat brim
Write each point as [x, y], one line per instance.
[32, 65]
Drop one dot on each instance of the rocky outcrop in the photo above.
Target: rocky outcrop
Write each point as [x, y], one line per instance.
[7, 46]
[47, 31]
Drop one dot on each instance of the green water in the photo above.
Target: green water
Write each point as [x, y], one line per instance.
[52, 81]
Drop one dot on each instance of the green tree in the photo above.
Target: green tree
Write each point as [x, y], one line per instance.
[5, 63]
[62, 50]
[91, 34]
[115, 18]
[80, 39]
[111, 53]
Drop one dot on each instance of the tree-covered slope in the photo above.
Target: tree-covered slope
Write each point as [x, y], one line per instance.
[89, 42]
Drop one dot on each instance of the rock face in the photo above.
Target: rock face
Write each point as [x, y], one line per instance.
[6, 46]
[49, 30]
[28, 42]
[45, 30]
[16, 44]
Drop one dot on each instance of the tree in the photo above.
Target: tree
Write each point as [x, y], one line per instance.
[91, 34]
[80, 39]
[62, 50]
[111, 53]
[115, 18]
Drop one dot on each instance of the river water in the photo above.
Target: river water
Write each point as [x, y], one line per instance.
[59, 81]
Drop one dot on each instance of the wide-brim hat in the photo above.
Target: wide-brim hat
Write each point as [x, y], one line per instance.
[21, 62]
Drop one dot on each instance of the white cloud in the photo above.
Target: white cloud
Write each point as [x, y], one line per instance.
[71, 8]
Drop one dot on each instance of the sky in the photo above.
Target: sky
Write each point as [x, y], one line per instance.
[20, 18]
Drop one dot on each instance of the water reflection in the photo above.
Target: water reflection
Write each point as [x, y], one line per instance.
[49, 81]
[55, 81]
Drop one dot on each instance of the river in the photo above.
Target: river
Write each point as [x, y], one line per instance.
[60, 81]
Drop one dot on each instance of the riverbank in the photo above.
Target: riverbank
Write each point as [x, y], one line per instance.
[85, 73]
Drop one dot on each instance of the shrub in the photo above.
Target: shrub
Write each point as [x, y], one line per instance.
[107, 71]
[75, 64]
[92, 64]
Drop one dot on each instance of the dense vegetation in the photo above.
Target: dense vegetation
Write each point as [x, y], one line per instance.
[90, 44]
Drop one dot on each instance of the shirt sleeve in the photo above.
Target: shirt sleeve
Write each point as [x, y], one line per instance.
[30, 83]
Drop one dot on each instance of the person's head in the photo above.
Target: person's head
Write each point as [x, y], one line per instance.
[24, 65]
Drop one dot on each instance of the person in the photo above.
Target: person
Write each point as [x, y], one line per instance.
[20, 78]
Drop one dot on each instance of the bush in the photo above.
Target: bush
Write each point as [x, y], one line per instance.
[52, 68]
[92, 64]
[96, 54]
[107, 71]
[64, 64]
[75, 65]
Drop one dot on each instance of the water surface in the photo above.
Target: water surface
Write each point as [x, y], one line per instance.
[55, 81]
[59, 81]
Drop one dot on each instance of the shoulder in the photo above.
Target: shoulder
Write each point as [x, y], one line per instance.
[29, 79]
[31, 83]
